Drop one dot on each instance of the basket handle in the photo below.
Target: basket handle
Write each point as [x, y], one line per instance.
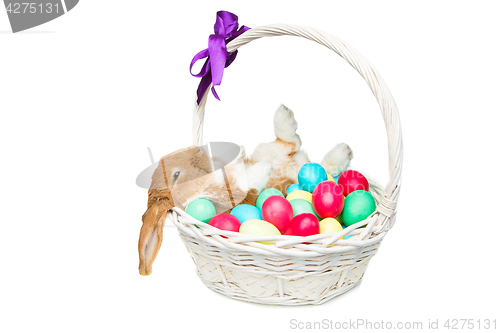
[358, 62]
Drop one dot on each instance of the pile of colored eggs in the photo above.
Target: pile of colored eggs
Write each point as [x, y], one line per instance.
[319, 203]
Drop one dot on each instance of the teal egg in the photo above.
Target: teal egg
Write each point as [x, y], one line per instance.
[246, 212]
[346, 236]
[201, 209]
[301, 206]
[310, 175]
[266, 194]
[358, 205]
[291, 188]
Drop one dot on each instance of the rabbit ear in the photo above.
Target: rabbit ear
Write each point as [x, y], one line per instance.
[160, 201]
[151, 234]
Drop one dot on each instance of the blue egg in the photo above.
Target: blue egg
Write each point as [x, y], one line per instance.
[336, 179]
[310, 175]
[291, 188]
[246, 212]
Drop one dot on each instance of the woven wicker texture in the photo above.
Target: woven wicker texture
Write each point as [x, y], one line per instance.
[290, 272]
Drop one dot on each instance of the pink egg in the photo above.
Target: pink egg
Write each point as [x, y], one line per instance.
[225, 222]
[277, 211]
[350, 181]
[305, 224]
[328, 199]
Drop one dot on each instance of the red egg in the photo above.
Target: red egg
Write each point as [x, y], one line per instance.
[351, 181]
[225, 222]
[277, 211]
[305, 224]
[327, 199]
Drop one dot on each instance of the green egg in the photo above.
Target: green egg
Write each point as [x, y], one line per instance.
[266, 194]
[358, 205]
[201, 209]
[301, 206]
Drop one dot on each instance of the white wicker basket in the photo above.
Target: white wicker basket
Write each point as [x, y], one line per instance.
[291, 272]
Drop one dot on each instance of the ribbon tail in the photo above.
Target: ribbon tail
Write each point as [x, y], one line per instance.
[203, 86]
[215, 93]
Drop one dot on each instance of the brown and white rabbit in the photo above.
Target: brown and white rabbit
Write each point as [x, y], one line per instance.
[187, 174]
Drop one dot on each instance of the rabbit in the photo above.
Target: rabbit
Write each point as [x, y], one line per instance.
[187, 174]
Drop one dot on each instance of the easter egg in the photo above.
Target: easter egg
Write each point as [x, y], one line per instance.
[346, 236]
[291, 188]
[330, 177]
[201, 209]
[300, 195]
[268, 192]
[310, 175]
[277, 211]
[259, 228]
[225, 222]
[327, 199]
[246, 212]
[301, 206]
[351, 181]
[329, 225]
[303, 225]
[339, 218]
[357, 207]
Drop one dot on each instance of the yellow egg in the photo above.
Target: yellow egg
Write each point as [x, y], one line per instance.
[299, 194]
[330, 177]
[259, 228]
[330, 225]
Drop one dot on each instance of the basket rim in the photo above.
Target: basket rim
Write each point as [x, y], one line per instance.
[319, 244]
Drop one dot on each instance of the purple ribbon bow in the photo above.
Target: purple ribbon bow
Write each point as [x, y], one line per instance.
[226, 29]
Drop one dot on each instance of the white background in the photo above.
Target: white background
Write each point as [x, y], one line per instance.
[83, 96]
